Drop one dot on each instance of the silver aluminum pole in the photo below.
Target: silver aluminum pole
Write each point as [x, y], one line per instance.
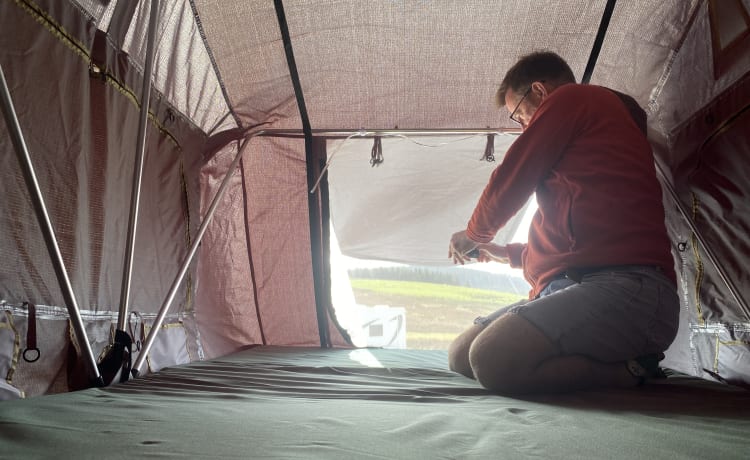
[704, 244]
[389, 132]
[188, 258]
[14, 128]
[138, 171]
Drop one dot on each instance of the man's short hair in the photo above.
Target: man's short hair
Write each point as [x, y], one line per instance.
[538, 66]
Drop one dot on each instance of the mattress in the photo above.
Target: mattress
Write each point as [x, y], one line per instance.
[281, 402]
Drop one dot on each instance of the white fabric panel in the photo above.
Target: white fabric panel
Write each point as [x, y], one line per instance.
[9, 351]
[406, 209]
[47, 374]
[177, 343]
[169, 348]
[8, 392]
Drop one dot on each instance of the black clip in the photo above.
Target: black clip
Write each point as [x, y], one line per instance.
[489, 150]
[97, 72]
[376, 156]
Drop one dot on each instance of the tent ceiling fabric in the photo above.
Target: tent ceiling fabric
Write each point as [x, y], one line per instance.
[369, 64]
[384, 58]
[246, 45]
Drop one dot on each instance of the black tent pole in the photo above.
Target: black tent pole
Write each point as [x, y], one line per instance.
[603, 25]
[14, 128]
[313, 199]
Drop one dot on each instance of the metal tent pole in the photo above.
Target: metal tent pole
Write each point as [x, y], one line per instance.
[117, 359]
[704, 244]
[138, 172]
[146, 347]
[342, 133]
[14, 128]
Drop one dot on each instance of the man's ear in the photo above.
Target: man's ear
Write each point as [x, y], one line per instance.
[540, 89]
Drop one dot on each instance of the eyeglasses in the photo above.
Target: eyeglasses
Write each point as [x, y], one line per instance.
[513, 113]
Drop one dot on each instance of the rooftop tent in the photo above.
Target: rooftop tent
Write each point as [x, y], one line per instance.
[299, 88]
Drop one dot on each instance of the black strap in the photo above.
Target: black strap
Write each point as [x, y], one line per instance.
[635, 110]
[313, 199]
[31, 353]
[117, 359]
[293, 74]
[598, 41]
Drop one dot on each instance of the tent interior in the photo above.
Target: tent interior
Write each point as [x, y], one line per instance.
[178, 173]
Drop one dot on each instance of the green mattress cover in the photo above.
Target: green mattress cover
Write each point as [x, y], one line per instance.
[278, 402]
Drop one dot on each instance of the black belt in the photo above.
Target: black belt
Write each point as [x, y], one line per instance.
[576, 274]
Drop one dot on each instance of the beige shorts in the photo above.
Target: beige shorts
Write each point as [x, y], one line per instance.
[612, 315]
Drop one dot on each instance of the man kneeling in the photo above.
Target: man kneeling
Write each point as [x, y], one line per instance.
[603, 304]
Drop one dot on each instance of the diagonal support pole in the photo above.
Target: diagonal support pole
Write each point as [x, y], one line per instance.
[138, 171]
[48, 232]
[146, 347]
[117, 359]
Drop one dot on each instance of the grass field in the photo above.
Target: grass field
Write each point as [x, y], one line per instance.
[435, 313]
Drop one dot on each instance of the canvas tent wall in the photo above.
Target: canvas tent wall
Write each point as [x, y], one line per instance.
[221, 73]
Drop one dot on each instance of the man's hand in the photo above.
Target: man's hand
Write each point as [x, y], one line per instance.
[491, 252]
[460, 247]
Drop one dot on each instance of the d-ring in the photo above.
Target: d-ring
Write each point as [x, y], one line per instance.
[33, 350]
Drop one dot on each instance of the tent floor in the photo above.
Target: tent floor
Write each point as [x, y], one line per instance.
[307, 403]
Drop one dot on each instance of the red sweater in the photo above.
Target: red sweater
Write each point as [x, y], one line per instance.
[592, 169]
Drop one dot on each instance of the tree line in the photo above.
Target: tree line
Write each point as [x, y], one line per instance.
[452, 276]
